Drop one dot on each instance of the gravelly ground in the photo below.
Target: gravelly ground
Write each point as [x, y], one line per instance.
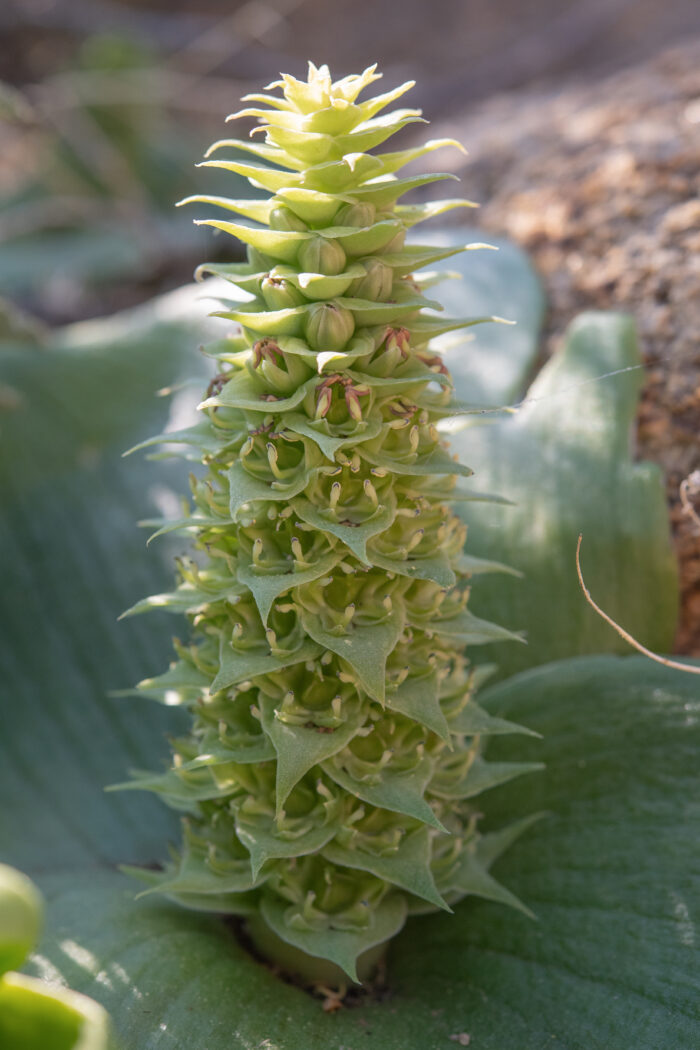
[600, 184]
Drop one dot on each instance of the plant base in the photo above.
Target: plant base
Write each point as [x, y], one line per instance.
[309, 969]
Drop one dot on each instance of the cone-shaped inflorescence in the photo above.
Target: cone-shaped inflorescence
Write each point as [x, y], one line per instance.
[331, 773]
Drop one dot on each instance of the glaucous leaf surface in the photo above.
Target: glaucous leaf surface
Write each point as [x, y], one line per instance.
[87, 257]
[566, 459]
[490, 365]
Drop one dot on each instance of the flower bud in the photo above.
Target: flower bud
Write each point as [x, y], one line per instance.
[392, 352]
[323, 401]
[280, 294]
[267, 350]
[353, 402]
[321, 255]
[328, 327]
[398, 339]
[283, 372]
[285, 219]
[377, 283]
[358, 214]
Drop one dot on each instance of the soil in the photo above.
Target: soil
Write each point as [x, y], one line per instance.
[599, 182]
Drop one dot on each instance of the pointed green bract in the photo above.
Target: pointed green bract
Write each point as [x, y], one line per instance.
[333, 759]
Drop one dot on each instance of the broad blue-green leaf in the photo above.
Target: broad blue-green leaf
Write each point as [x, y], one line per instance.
[90, 255]
[72, 561]
[491, 365]
[566, 461]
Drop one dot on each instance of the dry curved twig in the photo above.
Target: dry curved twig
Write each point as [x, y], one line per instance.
[675, 664]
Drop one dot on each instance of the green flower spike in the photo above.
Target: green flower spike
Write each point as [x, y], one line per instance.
[331, 775]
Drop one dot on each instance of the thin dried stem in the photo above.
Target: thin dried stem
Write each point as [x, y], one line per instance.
[675, 664]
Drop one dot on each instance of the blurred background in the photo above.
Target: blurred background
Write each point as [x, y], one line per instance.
[582, 120]
[107, 104]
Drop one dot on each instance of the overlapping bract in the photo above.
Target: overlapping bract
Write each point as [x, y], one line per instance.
[334, 755]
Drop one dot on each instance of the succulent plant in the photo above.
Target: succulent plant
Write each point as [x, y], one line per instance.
[332, 778]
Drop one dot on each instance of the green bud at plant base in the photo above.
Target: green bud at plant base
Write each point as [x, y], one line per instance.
[333, 776]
